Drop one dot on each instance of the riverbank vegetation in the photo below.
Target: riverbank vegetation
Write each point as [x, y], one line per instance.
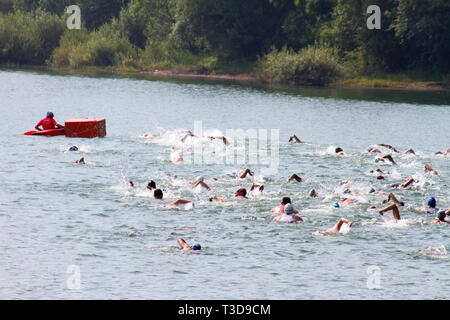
[299, 42]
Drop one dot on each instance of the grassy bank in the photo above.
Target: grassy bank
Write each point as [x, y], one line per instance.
[247, 75]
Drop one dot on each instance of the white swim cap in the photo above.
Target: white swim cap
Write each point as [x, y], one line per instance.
[288, 208]
[200, 178]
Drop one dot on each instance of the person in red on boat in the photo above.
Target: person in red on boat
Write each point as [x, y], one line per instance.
[48, 123]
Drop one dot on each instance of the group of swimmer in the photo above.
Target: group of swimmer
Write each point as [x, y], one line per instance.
[286, 211]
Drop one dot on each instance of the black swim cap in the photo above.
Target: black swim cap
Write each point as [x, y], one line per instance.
[338, 150]
[152, 184]
[73, 148]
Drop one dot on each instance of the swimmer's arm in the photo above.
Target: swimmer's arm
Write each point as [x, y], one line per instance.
[215, 197]
[244, 174]
[297, 218]
[388, 146]
[183, 244]
[257, 185]
[202, 184]
[179, 201]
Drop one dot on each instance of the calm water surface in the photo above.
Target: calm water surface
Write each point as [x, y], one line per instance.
[55, 213]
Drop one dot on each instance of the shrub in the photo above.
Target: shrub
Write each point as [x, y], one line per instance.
[29, 38]
[310, 66]
[78, 48]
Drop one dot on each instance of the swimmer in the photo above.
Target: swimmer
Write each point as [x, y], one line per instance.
[280, 208]
[288, 215]
[312, 194]
[443, 153]
[188, 134]
[394, 199]
[216, 197]
[340, 152]
[224, 139]
[241, 193]
[199, 178]
[440, 219]
[185, 246]
[294, 177]
[257, 185]
[429, 169]
[395, 211]
[131, 183]
[337, 227]
[73, 148]
[176, 203]
[388, 146]
[347, 181]
[158, 194]
[374, 150]
[386, 157]
[346, 201]
[151, 185]
[404, 184]
[201, 183]
[80, 161]
[295, 138]
[409, 151]
[373, 191]
[245, 173]
[431, 207]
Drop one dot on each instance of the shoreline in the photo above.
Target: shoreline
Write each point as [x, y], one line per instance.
[244, 78]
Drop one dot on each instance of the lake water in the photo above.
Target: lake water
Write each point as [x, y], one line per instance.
[72, 231]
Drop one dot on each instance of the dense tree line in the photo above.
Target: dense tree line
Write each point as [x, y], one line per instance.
[149, 34]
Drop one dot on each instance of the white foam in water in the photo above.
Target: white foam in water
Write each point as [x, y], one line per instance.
[439, 252]
[345, 228]
[392, 223]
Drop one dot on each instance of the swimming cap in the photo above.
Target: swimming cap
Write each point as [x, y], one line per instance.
[49, 114]
[288, 208]
[152, 184]
[441, 215]
[432, 202]
[200, 178]
[338, 150]
[336, 205]
[196, 247]
[73, 148]
[372, 190]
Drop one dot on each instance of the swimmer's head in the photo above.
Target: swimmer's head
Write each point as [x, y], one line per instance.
[347, 191]
[401, 204]
[158, 194]
[285, 200]
[338, 150]
[196, 247]
[441, 215]
[432, 202]
[151, 185]
[372, 190]
[50, 115]
[336, 205]
[73, 148]
[200, 178]
[242, 192]
[288, 208]
[380, 178]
